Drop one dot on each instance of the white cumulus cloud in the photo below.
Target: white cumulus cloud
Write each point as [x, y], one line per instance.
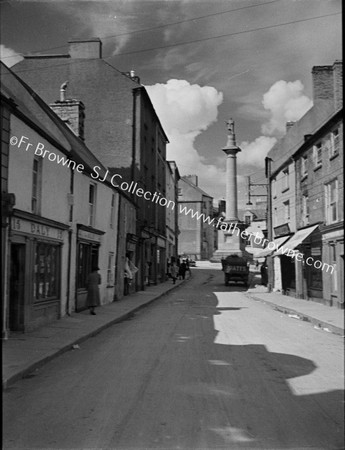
[254, 153]
[185, 111]
[286, 102]
[8, 56]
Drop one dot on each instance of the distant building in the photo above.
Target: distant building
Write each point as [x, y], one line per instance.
[196, 237]
[172, 214]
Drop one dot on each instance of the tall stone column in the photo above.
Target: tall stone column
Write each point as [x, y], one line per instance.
[229, 238]
[231, 150]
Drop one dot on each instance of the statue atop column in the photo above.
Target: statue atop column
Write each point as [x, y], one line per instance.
[231, 126]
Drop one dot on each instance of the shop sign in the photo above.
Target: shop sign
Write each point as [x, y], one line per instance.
[161, 242]
[89, 236]
[36, 229]
[282, 230]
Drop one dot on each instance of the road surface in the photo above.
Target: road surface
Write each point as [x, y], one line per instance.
[202, 368]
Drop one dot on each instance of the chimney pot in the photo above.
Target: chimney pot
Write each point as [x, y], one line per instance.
[289, 124]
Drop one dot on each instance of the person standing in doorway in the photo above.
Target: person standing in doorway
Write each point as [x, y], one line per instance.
[93, 299]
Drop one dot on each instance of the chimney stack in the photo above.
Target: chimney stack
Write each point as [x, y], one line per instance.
[70, 111]
[85, 48]
[338, 83]
[322, 83]
[193, 179]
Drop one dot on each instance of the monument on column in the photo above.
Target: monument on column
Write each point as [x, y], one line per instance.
[230, 241]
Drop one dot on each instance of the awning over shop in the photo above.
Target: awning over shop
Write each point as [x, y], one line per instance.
[297, 239]
[268, 251]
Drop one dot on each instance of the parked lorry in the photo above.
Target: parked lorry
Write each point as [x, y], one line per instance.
[236, 269]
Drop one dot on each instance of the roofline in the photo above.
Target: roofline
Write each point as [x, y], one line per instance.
[143, 89]
[55, 118]
[326, 123]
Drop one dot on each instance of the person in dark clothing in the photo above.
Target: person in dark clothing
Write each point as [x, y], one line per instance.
[182, 270]
[93, 299]
[264, 275]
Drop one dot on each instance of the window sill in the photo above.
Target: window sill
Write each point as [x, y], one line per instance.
[285, 189]
[317, 167]
[333, 156]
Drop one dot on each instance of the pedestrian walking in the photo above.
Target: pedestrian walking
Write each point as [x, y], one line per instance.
[188, 267]
[174, 271]
[182, 270]
[93, 300]
[129, 272]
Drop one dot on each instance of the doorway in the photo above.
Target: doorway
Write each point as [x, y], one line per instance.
[17, 288]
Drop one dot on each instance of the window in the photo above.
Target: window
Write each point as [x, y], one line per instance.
[285, 179]
[112, 211]
[331, 203]
[304, 166]
[92, 204]
[110, 270]
[274, 188]
[305, 209]
[335, 143]
[318, 154]
[46, 272]
[247, 219]
[36, 186]
[286, 211]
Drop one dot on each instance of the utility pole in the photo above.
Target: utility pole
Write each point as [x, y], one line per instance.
[270, 268]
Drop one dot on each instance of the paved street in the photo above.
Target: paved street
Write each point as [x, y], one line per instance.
[202, 368]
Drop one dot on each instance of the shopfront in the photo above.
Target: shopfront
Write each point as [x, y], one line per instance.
[35, 286]
[88, 246]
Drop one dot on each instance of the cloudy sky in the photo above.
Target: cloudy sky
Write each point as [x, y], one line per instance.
[202, 62]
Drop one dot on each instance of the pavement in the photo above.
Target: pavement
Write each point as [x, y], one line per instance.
[23, 353]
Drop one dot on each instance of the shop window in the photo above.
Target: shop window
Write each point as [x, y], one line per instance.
[46, 272]
[92, 204]
[334, 282]
[36, 186]
[304, 166]
[317, 153]
[331, 201]
[87, 258]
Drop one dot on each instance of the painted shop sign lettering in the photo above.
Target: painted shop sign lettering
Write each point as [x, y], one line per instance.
[37, 229]
[82, 234]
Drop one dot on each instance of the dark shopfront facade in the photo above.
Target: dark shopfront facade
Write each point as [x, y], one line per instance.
[35, 279]
[88, 245]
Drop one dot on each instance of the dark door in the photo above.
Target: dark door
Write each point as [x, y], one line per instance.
[17, 285]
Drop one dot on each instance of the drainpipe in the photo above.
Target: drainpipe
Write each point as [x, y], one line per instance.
[270, 268]
[70, 232]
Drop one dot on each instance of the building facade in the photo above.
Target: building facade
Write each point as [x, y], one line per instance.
[62, 221]
[196, 237]
[123, 131]
[307, 191]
